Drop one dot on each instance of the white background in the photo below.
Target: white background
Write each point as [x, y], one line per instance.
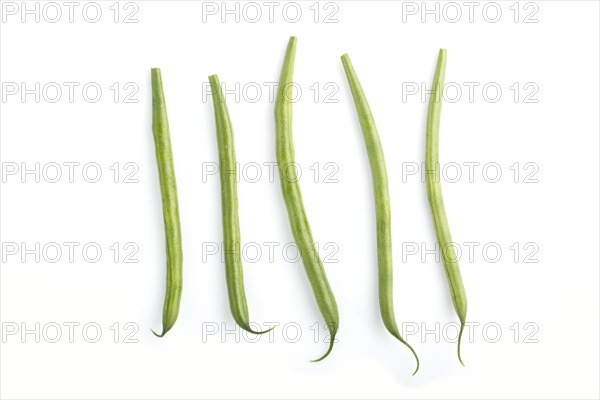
[555, 356]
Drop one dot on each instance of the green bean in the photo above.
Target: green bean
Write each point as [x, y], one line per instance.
[382, 203]
[436, 201]
[168, 190]
[292, 197]
[229, 204]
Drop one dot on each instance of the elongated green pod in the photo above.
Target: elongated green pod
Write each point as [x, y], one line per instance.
[234, 272]
[292, 197]
[382, 204]
[436, 201]
[168, 190]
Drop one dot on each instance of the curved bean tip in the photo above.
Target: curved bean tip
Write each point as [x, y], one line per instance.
[397, 335]
[416, 370]
[248, 329]
[462, 327]
[331, 341]
[157, 335]
[459, 357]
[412, 351]
[418, 362]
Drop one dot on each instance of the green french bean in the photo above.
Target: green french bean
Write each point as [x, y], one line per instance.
[234, 273]
[382, 203]
[168, 190]
[292, 197]
[436, 201]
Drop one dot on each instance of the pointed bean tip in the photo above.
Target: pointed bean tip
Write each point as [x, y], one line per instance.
[460, 333]
[292, 44]
[324, 356]
[319, 359]
[156, 334]
[460, 358]
[418, 363]
[248, 329]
